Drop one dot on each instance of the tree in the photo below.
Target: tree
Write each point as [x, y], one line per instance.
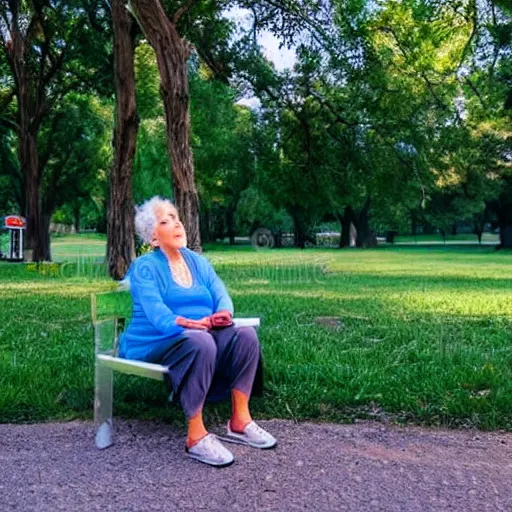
[222, 141]
[43, 43]
[120, 228]
[457, 55]
[172, 52]
[74, 149]
[487, 85]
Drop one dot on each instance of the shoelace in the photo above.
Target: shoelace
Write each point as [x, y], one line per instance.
[254, 428]
[213, 446]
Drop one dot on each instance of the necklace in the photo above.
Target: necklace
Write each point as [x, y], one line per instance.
[181, 273]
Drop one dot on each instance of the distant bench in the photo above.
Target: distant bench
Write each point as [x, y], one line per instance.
[110, 312]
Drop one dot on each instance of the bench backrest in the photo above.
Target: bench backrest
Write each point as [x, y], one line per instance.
[116, 304]
[110, 312]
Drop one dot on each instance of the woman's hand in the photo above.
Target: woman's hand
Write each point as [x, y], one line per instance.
[222, 318]
[203, 324]
[207, 322]
[219, 319]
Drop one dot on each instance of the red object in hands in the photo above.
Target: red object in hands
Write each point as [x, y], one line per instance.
[221, 319]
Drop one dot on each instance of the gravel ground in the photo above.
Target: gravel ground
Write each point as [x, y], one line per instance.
[320, 467]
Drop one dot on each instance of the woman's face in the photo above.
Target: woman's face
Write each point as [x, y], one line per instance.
[169, 232]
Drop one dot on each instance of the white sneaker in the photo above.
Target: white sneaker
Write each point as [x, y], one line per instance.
[211, 451]
[253, 435]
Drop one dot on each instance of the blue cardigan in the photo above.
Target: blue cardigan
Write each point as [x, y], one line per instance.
[158, 300]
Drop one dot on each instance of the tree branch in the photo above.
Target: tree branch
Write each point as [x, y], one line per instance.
[218, 67]
[477, 92]
[467, 46]
[44, 155]
[292, 7]
[182, 10]
[55, 67]
[8, 123]
[332, 110]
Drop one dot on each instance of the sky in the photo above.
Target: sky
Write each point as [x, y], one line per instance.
[281, 57]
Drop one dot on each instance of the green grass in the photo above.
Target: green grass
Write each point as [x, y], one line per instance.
[424, 336]
[73, 247]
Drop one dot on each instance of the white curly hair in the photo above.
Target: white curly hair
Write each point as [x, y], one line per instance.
[145, 217]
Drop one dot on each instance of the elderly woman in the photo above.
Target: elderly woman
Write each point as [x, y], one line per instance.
[182, 318]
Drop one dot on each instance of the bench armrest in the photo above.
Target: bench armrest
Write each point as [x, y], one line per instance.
[246, 322]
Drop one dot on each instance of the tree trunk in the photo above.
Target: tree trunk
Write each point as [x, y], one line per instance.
[45, 235]
[365, 236]
[29, 164]
[504, 214]
[342, 241]
[230, 221]
[204, 225]
[428, 229]
[479, 224]
[76, 217]
[172, 52]
[299, 231]
[218, 224]
[390, 236]
[506, 236]
[345, 221]
[29, 159]
[505, 224]
[120, 223]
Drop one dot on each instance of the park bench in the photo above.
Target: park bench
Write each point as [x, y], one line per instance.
[110, 313]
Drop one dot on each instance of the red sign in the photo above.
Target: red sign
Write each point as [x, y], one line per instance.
[13, 221]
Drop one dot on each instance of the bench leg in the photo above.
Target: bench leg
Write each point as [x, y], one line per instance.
[103, 406]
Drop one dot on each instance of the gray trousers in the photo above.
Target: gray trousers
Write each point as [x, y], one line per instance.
[209, 364]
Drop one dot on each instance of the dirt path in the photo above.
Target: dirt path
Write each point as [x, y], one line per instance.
[362, 467]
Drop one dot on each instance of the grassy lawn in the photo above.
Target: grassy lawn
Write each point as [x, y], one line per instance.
[71, 247]
[417, 335]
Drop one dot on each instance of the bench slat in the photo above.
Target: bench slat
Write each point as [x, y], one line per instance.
[131, 367]
[246, 322]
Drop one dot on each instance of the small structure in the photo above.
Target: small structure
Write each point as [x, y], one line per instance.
[15, 228]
